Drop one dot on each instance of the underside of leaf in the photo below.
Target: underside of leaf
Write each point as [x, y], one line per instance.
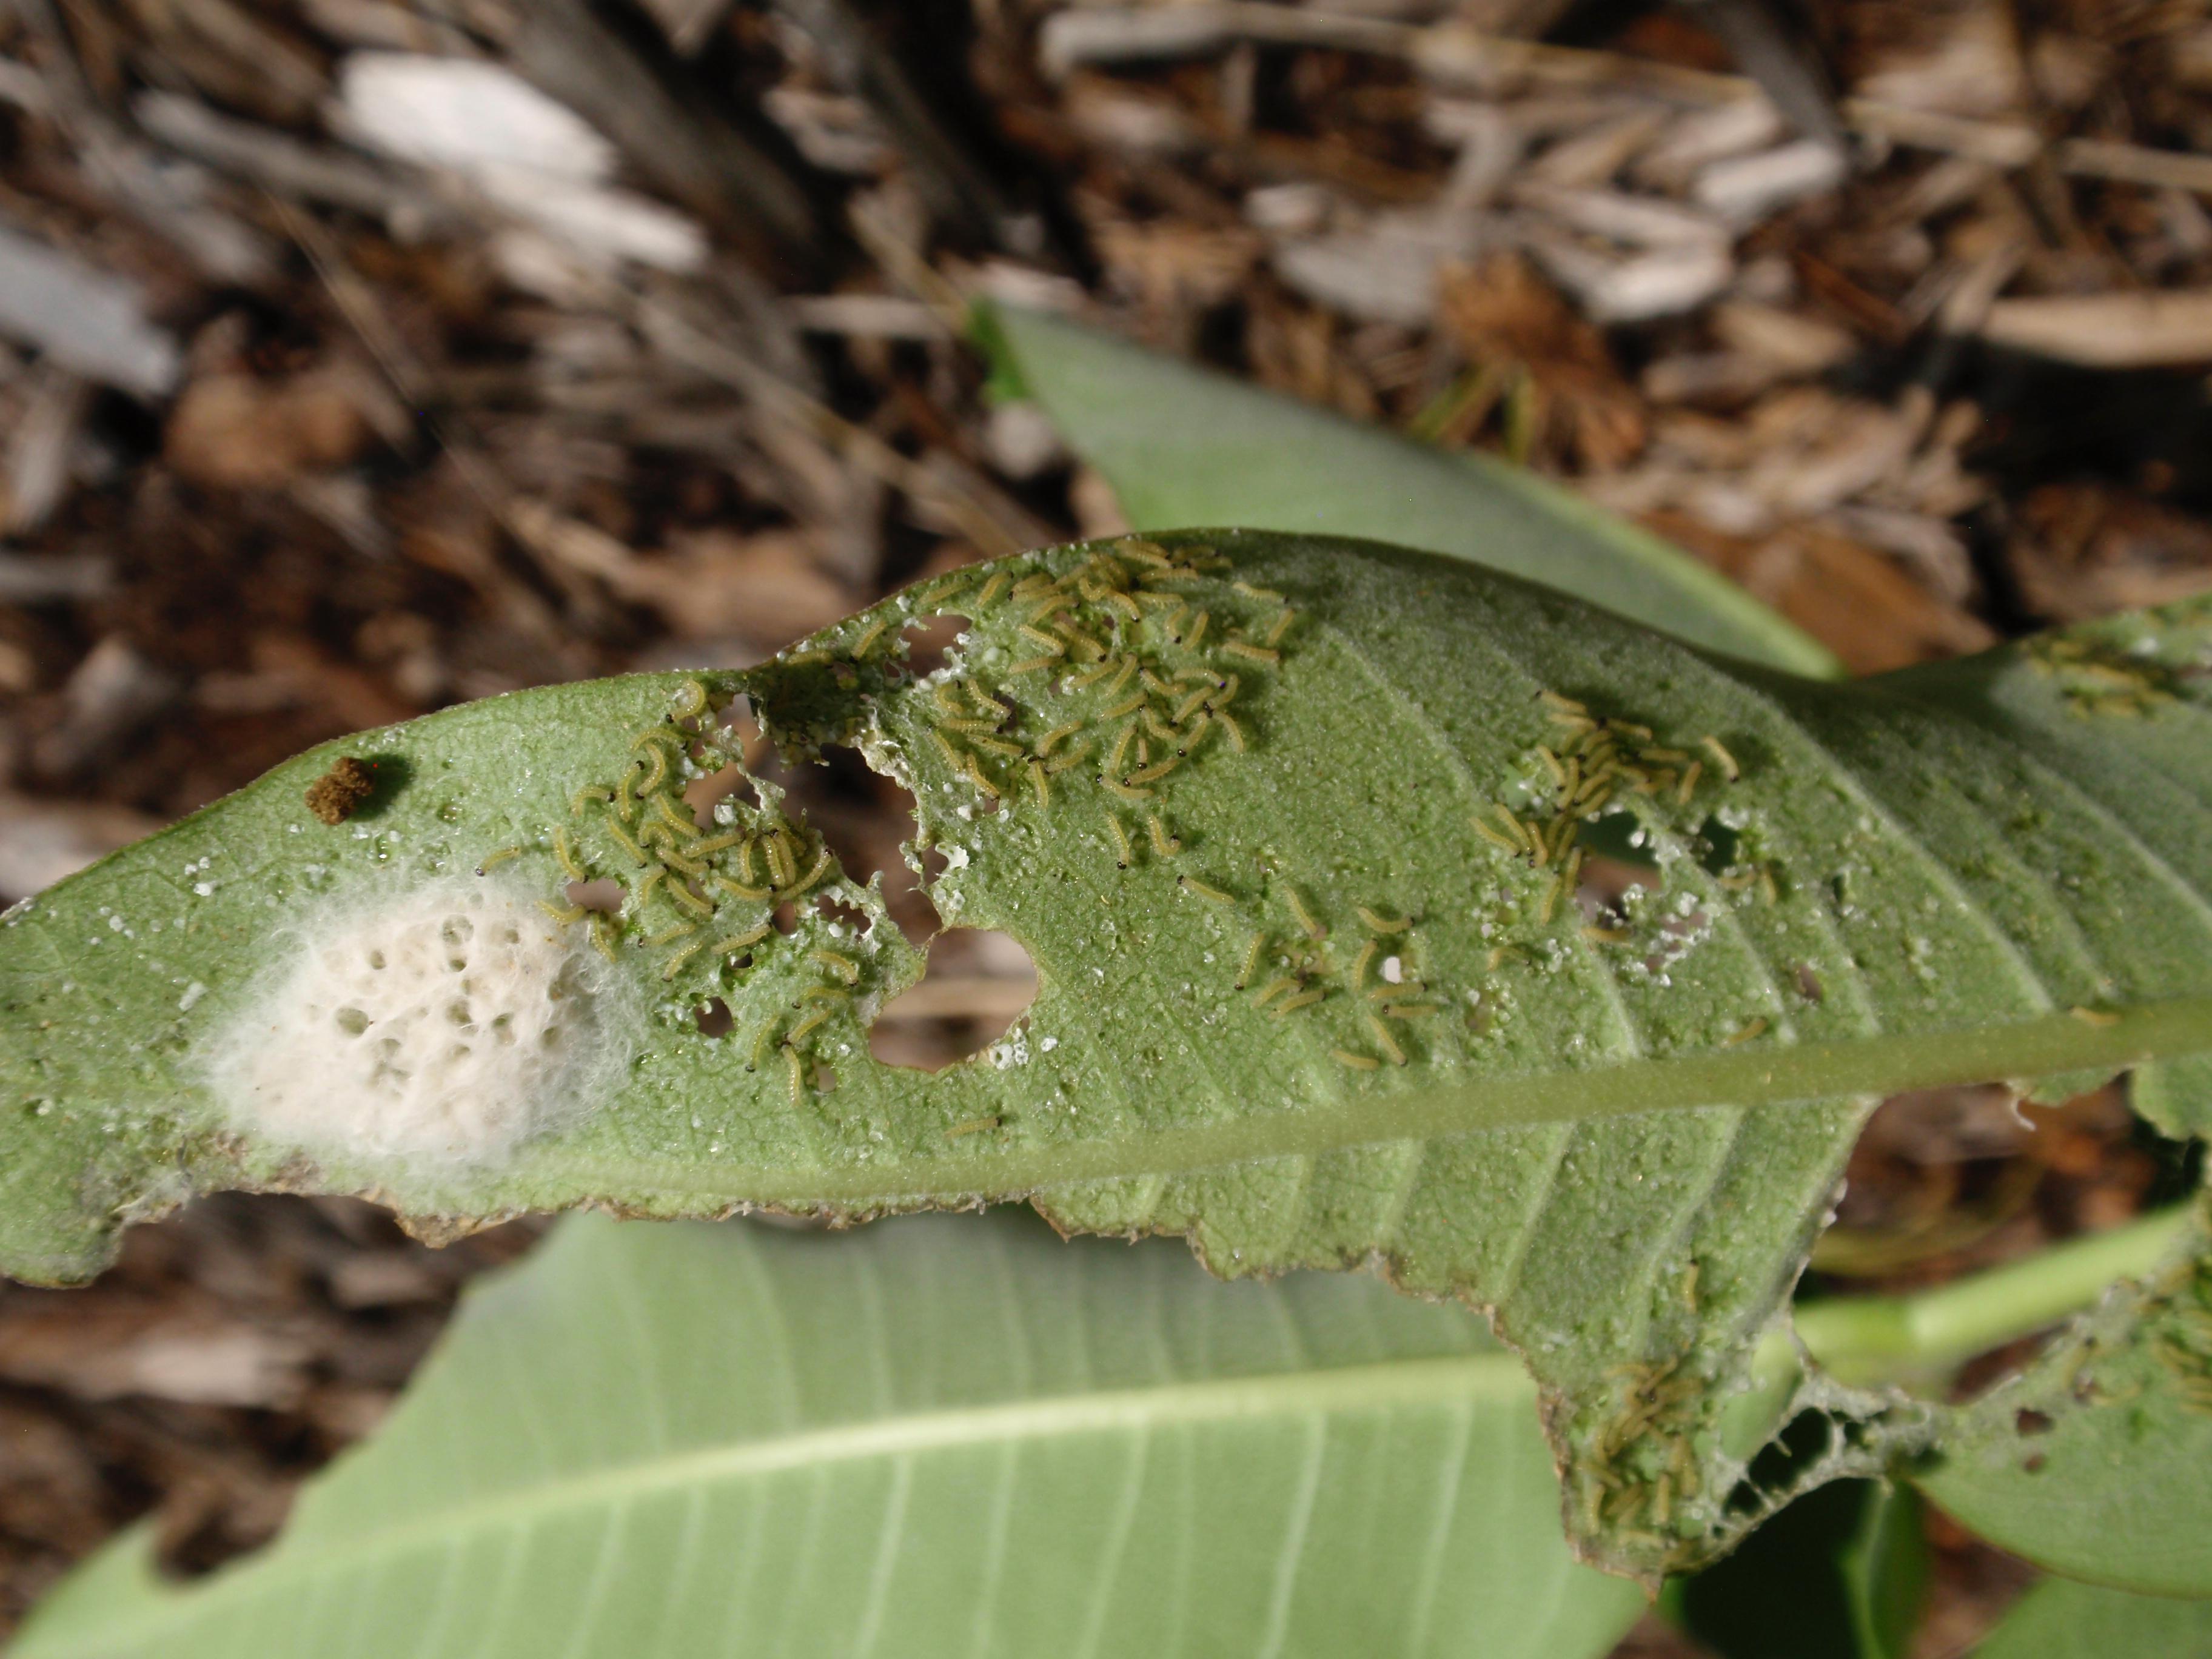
[1384, 910]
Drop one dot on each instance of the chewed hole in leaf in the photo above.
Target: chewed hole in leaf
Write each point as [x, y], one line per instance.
[859, 812]
[1618, 841]
[604, 895]
[1774, 1474]
[714, 1019]
[931, 641]
[977, 984]
[1935, 1171]
[1717, 847]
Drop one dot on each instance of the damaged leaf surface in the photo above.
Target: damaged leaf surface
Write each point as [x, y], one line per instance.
[1382, 909]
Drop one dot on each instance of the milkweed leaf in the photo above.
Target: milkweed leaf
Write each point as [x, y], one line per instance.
[1305, 837]
[940, 1438]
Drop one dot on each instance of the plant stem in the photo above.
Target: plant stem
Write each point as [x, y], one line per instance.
[1899, 1338]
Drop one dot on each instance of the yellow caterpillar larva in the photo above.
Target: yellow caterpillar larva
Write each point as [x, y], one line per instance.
[603, 935]
[1153, 773]
[590, 792]
[1274, 989]
[1384, 1040]
[1126, 791]
[972, 1126]
[1122, 676]
[1377, 923]
[975, 771]
[686, 899]
[997, 746]
[563, 914]
[1051, 739]
[1034, 664]
[675, 860]
[1274, 635]
[814, 876]
[1302, 999]
[1355, 1062]
[707, 845]
[689, 701]
[991, 589]
[782, 867]
[1251, 652]
[745, 940]
[1124, 854]
[1361, 962]
[843, 966]
[624, 839]
[1550, 906]
[1714, 747]
[1305, 917]
[1689, 783]
[875, 632]
[1251, 961]
[1128, 705]
[738, 890]
[1751, 1028]
[1213, 894]
[1229, 724]
[670, 935]
[806, 1027]
[1196, 631]
[1040, 781]
[674, 965]
[1164, 844]
[491, 861]
[1252, 593]
[655, 762]
[1409, 1009]
[1505, 842]
[794, 1074]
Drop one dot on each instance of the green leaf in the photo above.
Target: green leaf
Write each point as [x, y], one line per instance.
[1183, 445]
[2092, 1461]
[2060, 1618]
[935, 1438]
[1837, 1575]
[1618, 1129]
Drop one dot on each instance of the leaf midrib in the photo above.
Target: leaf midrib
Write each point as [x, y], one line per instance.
[1751, 1076]
[1492, 1376]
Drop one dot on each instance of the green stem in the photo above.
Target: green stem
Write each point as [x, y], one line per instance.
[1899, 1338]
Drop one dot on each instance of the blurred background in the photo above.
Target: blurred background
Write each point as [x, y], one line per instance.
[361, 356]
